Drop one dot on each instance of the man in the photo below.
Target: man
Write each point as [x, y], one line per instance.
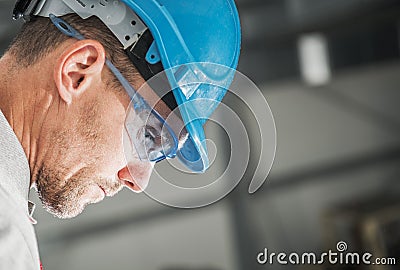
[73, 89]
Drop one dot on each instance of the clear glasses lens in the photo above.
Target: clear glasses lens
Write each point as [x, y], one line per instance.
[149, 135]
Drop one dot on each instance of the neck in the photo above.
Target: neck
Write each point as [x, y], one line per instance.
[25, 102]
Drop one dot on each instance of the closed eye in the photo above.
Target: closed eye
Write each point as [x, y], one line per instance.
[152, 135]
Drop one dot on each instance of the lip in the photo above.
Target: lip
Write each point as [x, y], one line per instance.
[105, 193]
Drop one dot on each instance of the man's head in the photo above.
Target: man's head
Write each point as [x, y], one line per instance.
[79, 155]
[82, 106]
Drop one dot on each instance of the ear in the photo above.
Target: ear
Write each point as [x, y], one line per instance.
[78, 68]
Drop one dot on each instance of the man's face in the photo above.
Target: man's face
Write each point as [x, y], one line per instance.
[79, 156]
[84, 155]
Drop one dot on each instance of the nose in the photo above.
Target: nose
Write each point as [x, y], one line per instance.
[136, 176]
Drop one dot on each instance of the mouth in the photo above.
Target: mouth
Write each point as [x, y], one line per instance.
[104, 191]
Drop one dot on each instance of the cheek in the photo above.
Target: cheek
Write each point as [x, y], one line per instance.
[110, 125]
[111, 147]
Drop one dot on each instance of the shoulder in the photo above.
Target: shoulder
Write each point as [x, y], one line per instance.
[18, 246]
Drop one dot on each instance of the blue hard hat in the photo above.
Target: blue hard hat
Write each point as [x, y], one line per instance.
[198, 44]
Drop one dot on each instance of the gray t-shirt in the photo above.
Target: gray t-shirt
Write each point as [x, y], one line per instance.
[18, 246]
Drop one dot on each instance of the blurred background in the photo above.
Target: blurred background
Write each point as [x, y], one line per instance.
[330, 70]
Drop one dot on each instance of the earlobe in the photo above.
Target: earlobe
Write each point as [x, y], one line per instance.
[78, 68]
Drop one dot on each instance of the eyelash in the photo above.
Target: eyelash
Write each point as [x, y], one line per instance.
[152, 132]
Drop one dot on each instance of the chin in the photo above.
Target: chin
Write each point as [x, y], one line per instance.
[68, 202]
[70, 208]
[63, 211]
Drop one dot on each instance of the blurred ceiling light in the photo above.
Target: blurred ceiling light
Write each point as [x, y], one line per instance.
[314, 59]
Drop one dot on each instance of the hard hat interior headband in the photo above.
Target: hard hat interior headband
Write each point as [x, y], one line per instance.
[137, 55]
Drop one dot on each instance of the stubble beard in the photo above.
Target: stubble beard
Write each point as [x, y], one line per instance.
[68, 198]
[64, 195]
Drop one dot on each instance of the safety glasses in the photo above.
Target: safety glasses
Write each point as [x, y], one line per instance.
[152, 137]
